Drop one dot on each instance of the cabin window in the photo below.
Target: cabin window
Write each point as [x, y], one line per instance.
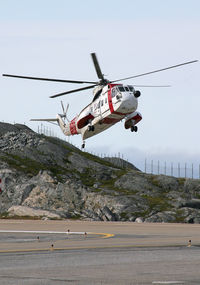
[106, 100]
[98, 105]
[102, 103]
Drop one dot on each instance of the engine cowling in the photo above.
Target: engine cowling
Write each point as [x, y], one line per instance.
[137, 93]
[132, 119]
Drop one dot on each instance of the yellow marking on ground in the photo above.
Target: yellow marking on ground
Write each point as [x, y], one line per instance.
[104, 235]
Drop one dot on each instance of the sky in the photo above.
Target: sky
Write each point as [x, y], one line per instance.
[54, 38]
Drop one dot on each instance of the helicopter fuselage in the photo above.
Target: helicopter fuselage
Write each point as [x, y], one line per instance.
[111, 104]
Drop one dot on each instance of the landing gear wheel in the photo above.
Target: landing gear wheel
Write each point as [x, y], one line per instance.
[134, 129]
[91, 128]
[83, 145]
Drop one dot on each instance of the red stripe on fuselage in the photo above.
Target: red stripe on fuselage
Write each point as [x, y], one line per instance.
[110, 99]
[72, 126]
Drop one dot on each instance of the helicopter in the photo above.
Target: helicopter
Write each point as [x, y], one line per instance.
[112, 102]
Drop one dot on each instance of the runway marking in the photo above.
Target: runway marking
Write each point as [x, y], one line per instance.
[41, 232]
[104, 235]
[11, 222]
[86, 247]
[168, 282]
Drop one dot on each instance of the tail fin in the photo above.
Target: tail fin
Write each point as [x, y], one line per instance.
[60, 120]
[64, 127]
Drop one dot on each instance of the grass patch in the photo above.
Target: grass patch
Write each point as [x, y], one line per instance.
[97, 159]
[87, 155]
[158, 203]
[181, 181]
[25, 165]
[32, 167]
[86, 177]
[179, 217]
[75, 217]
[154, 181]
[124, 215]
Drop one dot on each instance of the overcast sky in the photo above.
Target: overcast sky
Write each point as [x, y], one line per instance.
[54, 38]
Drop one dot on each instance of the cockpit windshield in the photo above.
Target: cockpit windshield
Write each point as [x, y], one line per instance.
[131, 88]
[128, 88]
[121, 89]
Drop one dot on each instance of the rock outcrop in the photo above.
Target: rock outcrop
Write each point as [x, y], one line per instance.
[44, 177]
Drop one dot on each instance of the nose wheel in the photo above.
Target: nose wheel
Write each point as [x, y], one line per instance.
[83, 145]
[134, 129]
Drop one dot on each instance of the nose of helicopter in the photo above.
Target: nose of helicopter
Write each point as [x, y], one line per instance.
[129, 102]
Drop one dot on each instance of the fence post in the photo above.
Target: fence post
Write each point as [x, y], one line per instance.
[171, 168]
[185, 170]
[165, 168]
[152, 167]
[199, 171]
[145, 165]
[192, 170]
[179, 170]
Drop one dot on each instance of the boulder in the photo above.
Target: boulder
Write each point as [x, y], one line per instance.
[22, 211]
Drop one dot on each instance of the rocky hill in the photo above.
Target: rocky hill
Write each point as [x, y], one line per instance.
[47, 177]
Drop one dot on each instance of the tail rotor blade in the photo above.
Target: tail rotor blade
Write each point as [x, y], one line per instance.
[64, 111]
[63, 107]
[67, 108]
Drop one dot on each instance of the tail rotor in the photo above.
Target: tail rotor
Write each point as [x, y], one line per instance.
[64, 115]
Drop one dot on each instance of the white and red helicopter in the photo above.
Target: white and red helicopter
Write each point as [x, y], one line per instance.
[112, 102]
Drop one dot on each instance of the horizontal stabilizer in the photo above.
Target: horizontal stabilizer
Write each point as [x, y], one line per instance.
[45, 120]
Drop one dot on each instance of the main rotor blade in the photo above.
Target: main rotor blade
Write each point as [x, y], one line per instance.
[72, 91]
[151, 85]
[154, 71]
[96, 65]
[50, 79]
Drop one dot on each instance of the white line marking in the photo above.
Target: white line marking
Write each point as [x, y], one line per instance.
[168, 282]
[11, 222]
[42, 232]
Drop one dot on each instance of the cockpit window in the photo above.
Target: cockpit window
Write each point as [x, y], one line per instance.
[121, 89]
[131, 88]
[126, 88]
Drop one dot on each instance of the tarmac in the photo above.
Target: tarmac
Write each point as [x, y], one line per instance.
[87, 252]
